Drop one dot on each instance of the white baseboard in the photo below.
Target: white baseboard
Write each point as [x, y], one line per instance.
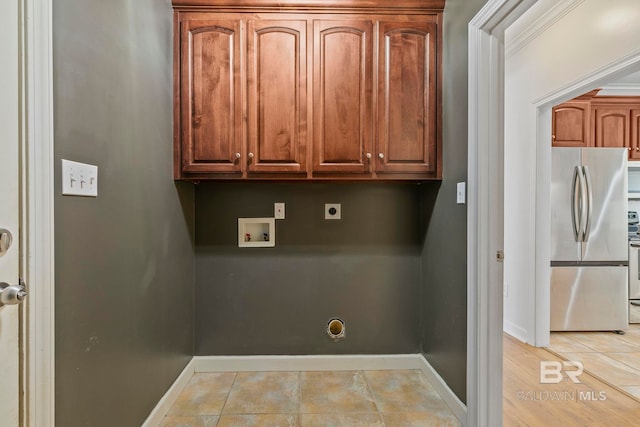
[515, 331]
[157, 414]
[458, 408]
[305, 363]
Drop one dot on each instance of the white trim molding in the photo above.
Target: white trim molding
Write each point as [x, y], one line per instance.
[550, 16]
[162, 408]
[484, 215]
[453, 402]
[40, 351]
[620, 89]
[306, 363]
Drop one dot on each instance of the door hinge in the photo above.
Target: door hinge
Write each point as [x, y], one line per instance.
[500, 256]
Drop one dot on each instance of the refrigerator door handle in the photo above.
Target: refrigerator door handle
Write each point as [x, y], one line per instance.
[576, 202]
[589, 200]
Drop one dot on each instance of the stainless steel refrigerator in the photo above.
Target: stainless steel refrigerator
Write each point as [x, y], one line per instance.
[589, 240]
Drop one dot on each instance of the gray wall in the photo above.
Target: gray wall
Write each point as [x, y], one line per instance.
[444, 258]
[364, 269]
[124, 261]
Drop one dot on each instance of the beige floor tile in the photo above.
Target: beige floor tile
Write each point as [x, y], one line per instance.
[341, 420]
[420, 419]
[561, 342]
[189, 422]
[404, 391]
[633, 390]
[335, 392]
[606, 368]
[260, 420]
[631, 359]
[205, 394]
[264, 393]
[604, 342]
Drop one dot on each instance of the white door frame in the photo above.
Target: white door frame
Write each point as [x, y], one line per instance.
[486, 141]
[484, 217]
[37, 218]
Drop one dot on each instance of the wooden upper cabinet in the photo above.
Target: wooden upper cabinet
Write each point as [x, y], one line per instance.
[342, 91]
[277, 73]
[211, 108]
[407, 98]
[634, 153]
[571, 125]
[611, 126]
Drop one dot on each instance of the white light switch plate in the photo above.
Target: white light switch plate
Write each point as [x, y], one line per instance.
[79, 179]
[461, 193]
[278, 210]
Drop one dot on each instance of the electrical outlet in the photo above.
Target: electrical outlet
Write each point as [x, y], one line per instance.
[332, 211]
[79, 179]
[278, 210]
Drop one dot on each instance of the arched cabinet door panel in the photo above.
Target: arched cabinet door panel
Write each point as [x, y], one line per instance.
[277, 95]
[211, 106]
[342, 82]
[611, 126]
[570, 125]
[407, 97]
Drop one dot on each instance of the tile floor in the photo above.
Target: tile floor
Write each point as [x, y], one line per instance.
[612, 358]
[322, 399]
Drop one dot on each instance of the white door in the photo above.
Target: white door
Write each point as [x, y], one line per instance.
[9, 211]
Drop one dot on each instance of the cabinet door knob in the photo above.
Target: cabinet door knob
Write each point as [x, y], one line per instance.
[368, 155]
[381, 156]
[251, 155]
[629, 148]
[553, 137]
[637, 148]
[238, 155]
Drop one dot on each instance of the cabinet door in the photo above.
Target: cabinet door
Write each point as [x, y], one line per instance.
[570, 125]
[635, 135]
[277, 95]
[342, 81]
[211, 119]
[611, 126]
[407, 98]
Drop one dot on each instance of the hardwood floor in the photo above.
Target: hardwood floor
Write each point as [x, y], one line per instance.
[612, 358]
[527, 402]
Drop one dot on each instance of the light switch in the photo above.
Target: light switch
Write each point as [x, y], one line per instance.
[278, 210]
[79, 179]
[461, 193]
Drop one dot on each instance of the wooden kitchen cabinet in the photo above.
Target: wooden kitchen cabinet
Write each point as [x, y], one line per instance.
[611, 126]
[300, 89]
[342, 82]
[634, 152]
[277, 95]
[407, 98]
[570, 124]
[210, 137]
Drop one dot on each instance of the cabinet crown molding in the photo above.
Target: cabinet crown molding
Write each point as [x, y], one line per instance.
[283, 5]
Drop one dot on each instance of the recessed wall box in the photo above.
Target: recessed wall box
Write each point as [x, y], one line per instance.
[256, 232]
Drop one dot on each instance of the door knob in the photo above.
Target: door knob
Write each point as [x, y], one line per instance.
[12, 295]
[381, 156]
[5, 240]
